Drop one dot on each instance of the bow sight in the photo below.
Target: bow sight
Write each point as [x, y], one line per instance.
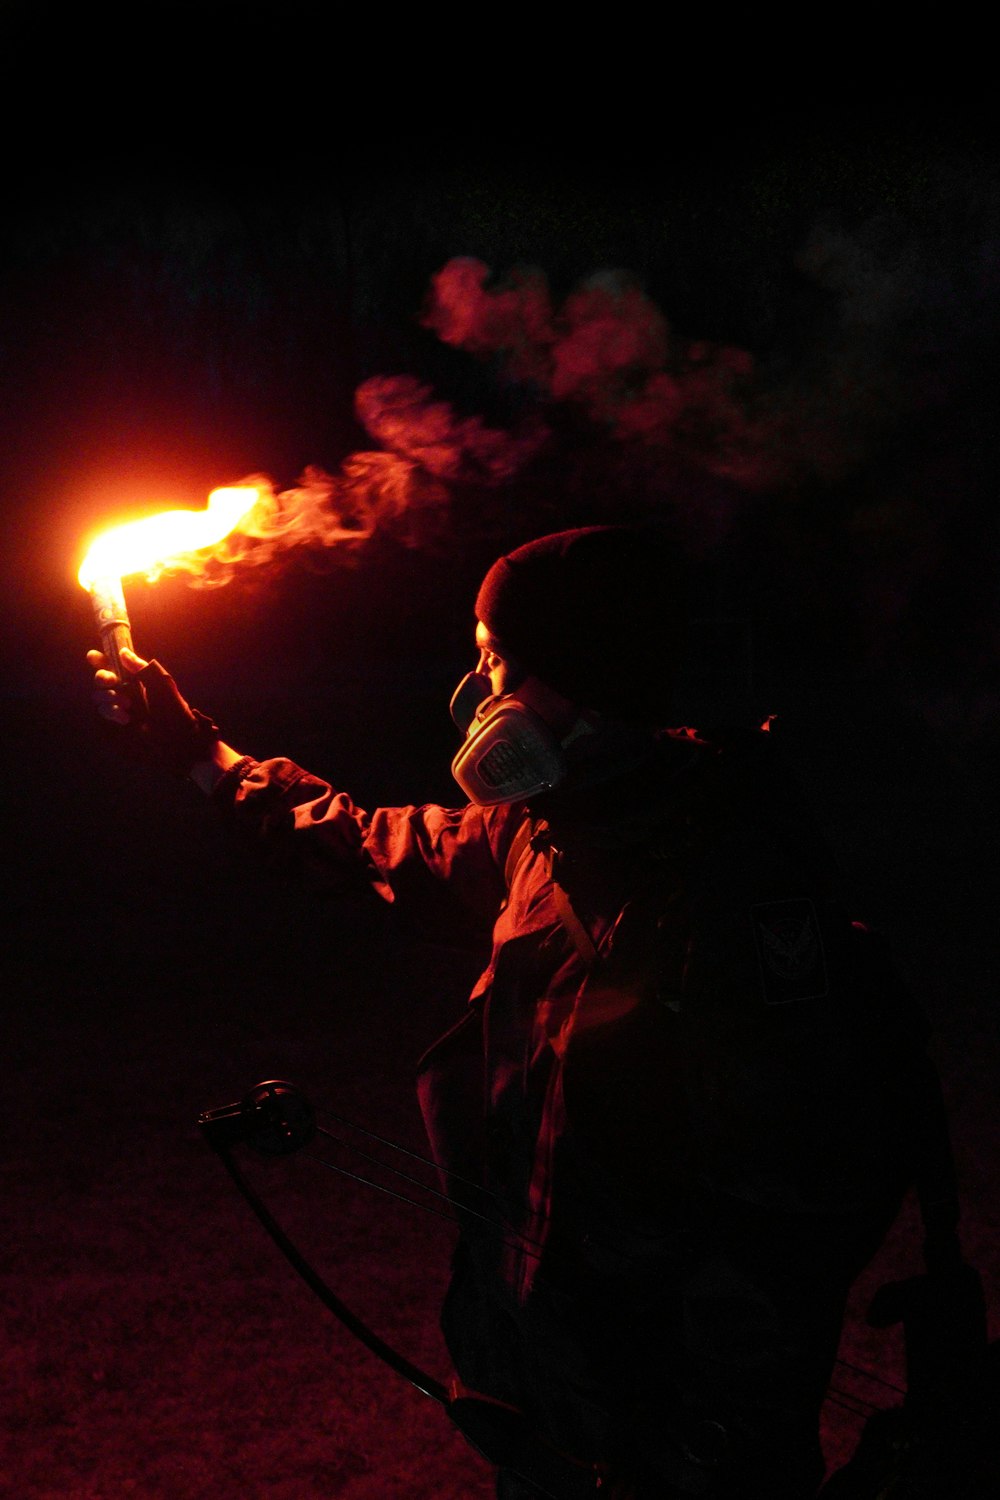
[275, 1118]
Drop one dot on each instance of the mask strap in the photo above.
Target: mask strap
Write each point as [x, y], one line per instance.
[585, 724]
[468, 698]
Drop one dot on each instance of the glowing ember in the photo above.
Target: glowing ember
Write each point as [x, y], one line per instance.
[141, 546]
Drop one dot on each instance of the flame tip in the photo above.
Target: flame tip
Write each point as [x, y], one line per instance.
[156, 540]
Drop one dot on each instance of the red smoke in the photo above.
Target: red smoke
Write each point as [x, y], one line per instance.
[610, 340]
[662, 415]
[372, 491]
[402, 415]
[610, 350]
[515, 319]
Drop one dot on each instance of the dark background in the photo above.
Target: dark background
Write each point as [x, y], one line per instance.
[216, 229]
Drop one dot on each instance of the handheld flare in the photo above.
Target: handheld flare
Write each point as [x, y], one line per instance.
[147, 545]
[107, 595]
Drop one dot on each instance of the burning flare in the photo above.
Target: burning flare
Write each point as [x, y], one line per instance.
[149, 545]
[141, 546]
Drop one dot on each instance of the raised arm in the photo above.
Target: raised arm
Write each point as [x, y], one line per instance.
[426, 856]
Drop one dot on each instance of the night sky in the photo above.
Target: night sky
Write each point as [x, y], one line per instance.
[215, 239]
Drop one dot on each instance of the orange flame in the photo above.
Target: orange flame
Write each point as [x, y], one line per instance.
[155, 542]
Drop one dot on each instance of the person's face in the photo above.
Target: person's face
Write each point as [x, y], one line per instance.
[504, 675]
[507, 677]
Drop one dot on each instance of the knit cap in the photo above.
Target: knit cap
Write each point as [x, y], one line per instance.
[597, 613]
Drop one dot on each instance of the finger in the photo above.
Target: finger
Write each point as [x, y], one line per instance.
[97, 659]
[131, 660]
[111, 691]
[106, 679]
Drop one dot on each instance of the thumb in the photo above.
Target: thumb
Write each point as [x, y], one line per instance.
[131, 661]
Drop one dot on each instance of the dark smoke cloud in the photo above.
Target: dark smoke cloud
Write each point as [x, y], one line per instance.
[915, 312]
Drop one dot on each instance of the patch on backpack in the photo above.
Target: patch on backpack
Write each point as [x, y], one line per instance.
[789, 951]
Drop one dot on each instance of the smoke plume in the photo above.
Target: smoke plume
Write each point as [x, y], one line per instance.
[609, 351]
[622, 414]
[402, 489]
[401, 414]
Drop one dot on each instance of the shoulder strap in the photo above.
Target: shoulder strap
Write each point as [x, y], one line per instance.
[518, 848]
[582, 941]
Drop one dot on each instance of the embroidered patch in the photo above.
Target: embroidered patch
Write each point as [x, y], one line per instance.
[789, 951]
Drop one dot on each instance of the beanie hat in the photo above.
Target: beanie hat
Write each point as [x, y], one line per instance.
[596, 613]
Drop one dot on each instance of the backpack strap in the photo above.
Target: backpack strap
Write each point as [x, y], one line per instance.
[521, 843]
[518, 848]
[581, 939]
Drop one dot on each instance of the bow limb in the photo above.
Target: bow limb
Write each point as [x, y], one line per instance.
[279, 1120]
[355, 1325]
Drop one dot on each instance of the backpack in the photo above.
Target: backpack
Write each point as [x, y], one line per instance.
[830, 1011]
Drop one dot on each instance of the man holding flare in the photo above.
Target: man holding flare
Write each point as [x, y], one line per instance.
[685, 1074]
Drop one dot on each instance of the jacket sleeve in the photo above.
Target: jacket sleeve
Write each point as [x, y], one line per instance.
[428, 858]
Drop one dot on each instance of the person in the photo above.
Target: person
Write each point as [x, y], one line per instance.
[680, 1091]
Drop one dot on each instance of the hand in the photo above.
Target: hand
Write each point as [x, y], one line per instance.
[177, 735]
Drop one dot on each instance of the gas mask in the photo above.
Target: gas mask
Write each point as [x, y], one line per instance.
[510, 753]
